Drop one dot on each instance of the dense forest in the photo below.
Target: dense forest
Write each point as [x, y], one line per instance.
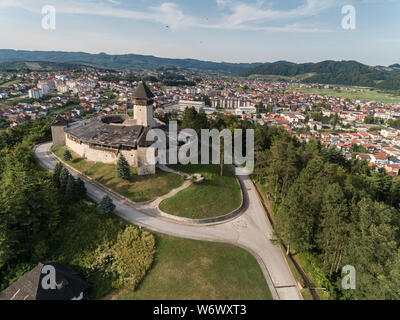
[333, 213]
[335, 72]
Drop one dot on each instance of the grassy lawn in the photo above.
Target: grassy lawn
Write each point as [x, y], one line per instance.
[6, 84]
[358, 94]
[62, 110]
[213, 198]
[137, 188]
[188, 269]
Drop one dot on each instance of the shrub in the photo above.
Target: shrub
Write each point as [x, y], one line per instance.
[67, 155]
[133, 255]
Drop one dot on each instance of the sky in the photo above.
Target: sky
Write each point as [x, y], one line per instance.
[214, 30]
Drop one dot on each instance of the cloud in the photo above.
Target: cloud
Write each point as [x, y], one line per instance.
[222, 3]
[242, 16]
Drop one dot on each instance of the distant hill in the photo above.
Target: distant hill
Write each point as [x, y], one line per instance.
[26, 66]
[335, 72]
[128, 62]
[329, 72]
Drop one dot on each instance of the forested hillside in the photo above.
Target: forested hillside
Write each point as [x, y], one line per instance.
[331, 213]
[335, 72]
[131, 62]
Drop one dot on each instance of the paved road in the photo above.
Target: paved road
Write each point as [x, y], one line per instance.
[250, 231]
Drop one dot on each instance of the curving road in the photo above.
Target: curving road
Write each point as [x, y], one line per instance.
[250, 231]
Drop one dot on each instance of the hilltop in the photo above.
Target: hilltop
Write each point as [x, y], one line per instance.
[327, 72]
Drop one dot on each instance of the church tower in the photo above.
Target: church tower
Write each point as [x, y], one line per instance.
[143, 106]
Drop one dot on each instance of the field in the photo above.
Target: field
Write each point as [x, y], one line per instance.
[8, 103]
[62, 110]
[188, 269]
[215, 197]
[137, 188]
[356, 94]
[8, 83]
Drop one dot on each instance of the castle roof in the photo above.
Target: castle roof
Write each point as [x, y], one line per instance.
[143, 92]
[103, 132]
[59, 121]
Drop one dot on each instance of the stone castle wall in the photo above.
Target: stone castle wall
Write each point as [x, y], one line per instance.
[97, 155]
[135, 158]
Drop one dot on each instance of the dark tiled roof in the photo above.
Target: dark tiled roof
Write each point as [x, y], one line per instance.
[143, 92]
[69, 285]
[98, 132]
[59, 121]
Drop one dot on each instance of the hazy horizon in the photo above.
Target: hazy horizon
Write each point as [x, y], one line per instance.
[232, 31]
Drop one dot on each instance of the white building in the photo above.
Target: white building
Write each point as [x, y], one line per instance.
[245, 110]
[198, 105]
[35, 93]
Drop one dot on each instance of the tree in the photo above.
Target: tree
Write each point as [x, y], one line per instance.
[194, 120]
[372, 247]
[70, 187]
[279, 167]
[57, 174]
[123, 169]
[64, 175]
[206, 100]
[221, 158]
[67, 155]
[333, 235]
[106, 205]
[260, 107]
[80, 189]
[300, 212]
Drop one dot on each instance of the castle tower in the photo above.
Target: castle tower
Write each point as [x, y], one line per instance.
[143, 106]
[58, 127]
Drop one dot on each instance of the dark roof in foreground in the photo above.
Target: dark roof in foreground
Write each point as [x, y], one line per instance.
[69, 285]
[59, 121]
[143, 92]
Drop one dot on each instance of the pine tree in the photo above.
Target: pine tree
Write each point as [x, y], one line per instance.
[64, 179]
[80, 189]
[56, 174]
[67, 155]
[333, 238]
[106, 205]
[70, 188]
[123, 169]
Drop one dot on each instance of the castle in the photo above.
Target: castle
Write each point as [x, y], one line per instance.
[105, 139]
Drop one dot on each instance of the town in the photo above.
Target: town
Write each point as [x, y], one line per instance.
[361, 129]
